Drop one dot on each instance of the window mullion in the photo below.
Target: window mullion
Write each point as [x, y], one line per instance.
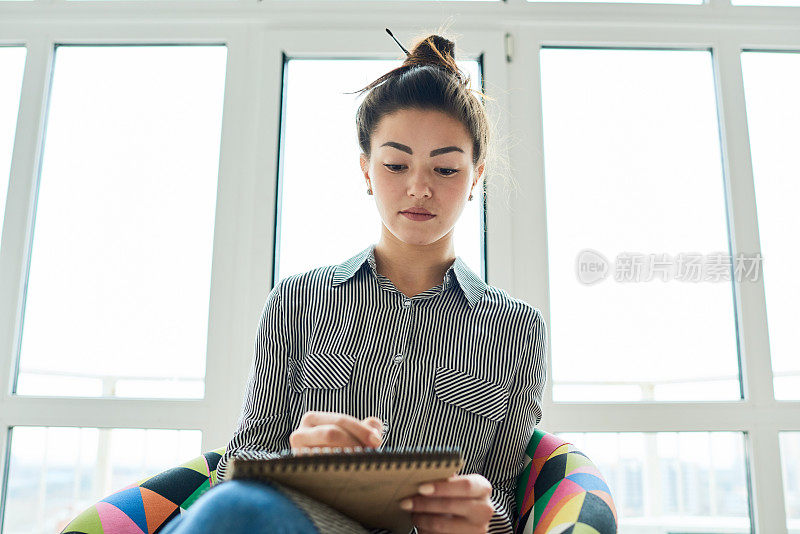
[21, 192]
[766, 481]
[750, 307]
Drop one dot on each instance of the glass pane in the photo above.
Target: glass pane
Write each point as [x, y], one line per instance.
[12, 66]
[55, 473]
[118, 291]
[637, 227]
[772, 83]
[790, 460]
[322, 118]
[672, 481]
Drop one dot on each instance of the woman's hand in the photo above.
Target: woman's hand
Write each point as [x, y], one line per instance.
[459, 504]
[332, 429]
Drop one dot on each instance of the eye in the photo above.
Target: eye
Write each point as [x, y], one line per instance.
[442, 171]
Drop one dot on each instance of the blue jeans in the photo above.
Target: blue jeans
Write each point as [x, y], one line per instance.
[238, 506]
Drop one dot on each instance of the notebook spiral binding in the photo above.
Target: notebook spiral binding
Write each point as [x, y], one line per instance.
[363, 460]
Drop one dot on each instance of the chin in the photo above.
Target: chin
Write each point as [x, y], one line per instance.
[403, 230]
[415, 238]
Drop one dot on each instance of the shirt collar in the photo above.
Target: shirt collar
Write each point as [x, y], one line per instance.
[471, 285]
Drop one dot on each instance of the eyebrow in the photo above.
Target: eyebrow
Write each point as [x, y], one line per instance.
[405, 148]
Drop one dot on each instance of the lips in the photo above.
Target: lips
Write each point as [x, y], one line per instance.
[420, 211]
[417, 216]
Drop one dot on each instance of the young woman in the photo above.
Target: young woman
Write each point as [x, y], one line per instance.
[402, 345]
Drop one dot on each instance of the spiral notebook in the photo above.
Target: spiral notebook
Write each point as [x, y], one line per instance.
[365, 484]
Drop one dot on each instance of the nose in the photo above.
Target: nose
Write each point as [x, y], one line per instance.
[418, 186]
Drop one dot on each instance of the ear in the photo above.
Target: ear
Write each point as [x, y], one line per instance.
[364, 162]
[478, 175]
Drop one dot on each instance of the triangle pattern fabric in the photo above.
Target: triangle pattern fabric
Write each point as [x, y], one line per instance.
[559, 491]
[552, 473]
[172, 516]
[565, 490]
[157, 508]
[115, 520]
[540, 505]
[197, 464]
[175, 484]
[87, 521]
[566, 511]
[606, 498]
[205, 486]
[129, 501]
[597, 514]
[213, 458]
[577, 460]
[566, 528]
[583, 528]
[588, 482]
[547, 445]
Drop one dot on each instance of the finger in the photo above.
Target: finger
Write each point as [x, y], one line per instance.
[442, 524]
[359, 430]
[308, 451]
[375, 423]
[460, 506]
[328, 436]
[472, 485]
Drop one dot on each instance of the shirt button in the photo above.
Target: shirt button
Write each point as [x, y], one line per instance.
[406, 303]
[398, 358]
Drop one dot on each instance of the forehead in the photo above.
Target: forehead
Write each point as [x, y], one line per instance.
[421, 129]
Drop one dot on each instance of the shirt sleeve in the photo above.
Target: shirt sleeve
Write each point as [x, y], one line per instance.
[264, 422]
[506, 456]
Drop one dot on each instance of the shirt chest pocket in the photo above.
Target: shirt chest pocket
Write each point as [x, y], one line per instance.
[326, 371]
[480, 397]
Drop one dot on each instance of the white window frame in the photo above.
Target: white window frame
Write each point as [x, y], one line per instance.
[255, 35]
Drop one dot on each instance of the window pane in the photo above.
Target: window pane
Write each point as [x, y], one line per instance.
[12, 66]
[632, 166]
[672, 481]
[790, 460]
[118, 291]
[322, 118]
[772, 83]
[55, 473]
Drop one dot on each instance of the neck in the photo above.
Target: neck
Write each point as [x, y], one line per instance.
[413, 268]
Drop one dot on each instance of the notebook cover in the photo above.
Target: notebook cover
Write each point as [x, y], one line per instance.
[365, 484]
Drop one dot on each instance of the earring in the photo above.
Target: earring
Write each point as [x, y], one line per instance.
[369, 191]
[470, 196]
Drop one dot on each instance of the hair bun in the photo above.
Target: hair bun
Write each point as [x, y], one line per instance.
[432, 48]
[437, 51]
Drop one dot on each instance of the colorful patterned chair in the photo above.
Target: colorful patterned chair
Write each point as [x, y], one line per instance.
[559, 491]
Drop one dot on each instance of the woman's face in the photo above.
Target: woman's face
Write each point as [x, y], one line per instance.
[420, 159]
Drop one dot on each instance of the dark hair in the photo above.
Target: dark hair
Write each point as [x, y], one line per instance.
[428, 79]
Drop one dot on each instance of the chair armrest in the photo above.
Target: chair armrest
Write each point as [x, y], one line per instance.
[151, 502]
[560, 486]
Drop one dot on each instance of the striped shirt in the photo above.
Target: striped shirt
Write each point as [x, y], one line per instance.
[459, 365]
